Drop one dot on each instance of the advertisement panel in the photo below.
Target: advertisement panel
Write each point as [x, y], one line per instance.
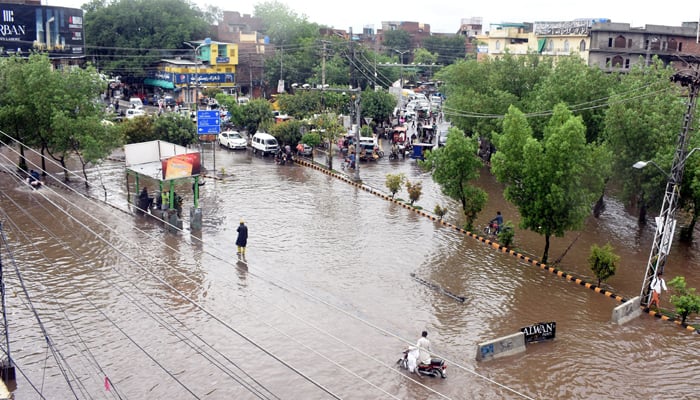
[181, 166]
[203, 78]
[55, 30]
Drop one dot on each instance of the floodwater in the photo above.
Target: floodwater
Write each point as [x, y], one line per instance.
[327, 300]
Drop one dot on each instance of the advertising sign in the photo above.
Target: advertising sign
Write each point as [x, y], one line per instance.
[203, 78]
[57, 31]
[539, 332]
[181, 166]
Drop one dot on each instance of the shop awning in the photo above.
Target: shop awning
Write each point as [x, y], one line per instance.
[159, 83]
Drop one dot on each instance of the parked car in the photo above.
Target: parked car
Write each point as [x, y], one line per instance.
[134, 112]
[264, 143]
[305, 150]
[136, 102]
[232, 140]
[169, 101]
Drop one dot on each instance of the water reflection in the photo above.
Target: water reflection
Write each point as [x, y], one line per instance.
[330, 266]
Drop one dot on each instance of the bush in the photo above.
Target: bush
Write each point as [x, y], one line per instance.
[603, 261]
[414, 191]
[684, 299]
[506, 234]
[394, 183]
[439, 211]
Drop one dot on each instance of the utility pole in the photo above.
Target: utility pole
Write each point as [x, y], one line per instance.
[7, 368]
[665, 222]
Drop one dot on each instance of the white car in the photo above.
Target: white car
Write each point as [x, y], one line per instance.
[134, 112]
[233, 140]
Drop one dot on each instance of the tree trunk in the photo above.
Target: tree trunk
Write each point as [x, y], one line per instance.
[687, 232]
[546, 249]
[599, 206]
[642, 220]
[22, 159]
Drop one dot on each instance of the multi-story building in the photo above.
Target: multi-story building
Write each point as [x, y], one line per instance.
[564, 38]
[213, 65]
[514, 38]
[617, 46]
[470, 28]
[244, 30]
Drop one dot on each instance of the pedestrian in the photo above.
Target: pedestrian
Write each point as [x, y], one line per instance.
[657, 284]
[242, 239]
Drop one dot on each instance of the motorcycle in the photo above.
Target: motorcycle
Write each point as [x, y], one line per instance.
[409, 361]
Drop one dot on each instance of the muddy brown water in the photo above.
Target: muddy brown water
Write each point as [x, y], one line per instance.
[326, 302]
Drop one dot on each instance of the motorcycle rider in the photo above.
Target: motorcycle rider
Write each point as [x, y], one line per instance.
[497, 222]
[423, 345]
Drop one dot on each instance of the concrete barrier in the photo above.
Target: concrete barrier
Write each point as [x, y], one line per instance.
[501, 347]
[627, 311]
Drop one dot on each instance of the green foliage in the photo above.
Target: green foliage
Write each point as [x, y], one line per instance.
[642, 123]
[684, 298]
[394, 183]
[378, 105]
[448, 49]
[603, 261]
[506, 234]
[287, 132]
[175, 128]
[257, 115]
[440, 211]
[454, 166]
[552, 182]
[312, 139]
[399, 40]
[490, 87]
[114, 29]
[414, 189]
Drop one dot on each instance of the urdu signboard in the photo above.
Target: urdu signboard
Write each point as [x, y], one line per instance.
[57, 31]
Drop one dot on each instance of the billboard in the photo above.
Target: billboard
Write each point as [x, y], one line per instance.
[57, 31]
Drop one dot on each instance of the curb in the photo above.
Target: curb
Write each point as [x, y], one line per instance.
[493, 244]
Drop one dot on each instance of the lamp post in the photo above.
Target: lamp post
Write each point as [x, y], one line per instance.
[402, 53]
[195, 50]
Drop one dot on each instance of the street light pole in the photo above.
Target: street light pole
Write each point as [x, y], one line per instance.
[195, 50]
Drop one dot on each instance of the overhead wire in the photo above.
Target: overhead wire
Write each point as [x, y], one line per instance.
[189, 299]
[307, 294]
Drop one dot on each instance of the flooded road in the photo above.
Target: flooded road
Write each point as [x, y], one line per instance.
[326, 302]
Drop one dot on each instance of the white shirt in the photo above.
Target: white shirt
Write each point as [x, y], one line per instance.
[424, 347]
[657, 284]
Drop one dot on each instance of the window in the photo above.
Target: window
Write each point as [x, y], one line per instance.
[629, 43]
[550, 45]
[627, 63]
[498, 45]
[582, 45]
[566, 46]
[607, 61]
[617, 62]
[680, 46]
[609, 42]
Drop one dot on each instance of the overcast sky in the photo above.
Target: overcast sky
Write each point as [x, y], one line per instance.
[444, 16]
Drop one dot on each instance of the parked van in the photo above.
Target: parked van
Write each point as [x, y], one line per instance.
[264, 143]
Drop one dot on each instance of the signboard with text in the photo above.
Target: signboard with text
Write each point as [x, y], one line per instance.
[208, 122]
[539, 332]
[57, 31]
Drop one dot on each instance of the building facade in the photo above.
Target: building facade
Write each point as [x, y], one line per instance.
[618, 47]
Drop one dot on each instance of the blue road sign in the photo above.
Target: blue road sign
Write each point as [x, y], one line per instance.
[208, 121]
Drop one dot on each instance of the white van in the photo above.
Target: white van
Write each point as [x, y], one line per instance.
[264, 143]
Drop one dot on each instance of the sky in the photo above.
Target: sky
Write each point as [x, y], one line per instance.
[444, 16]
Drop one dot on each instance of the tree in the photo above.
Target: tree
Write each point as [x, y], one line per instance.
[398, 40]
[448, 49]
[415, 189]
[312, 139]
[126, 35]
[440, 211]
[642, 123]
[257, 114]
[550, 181]
[378, 105]
[603, 261]
[684, 299]
[453, 166]
[394, 183]
[287, 132]
[330, 129]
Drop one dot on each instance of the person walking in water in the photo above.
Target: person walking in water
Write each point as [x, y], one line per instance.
[242, 239]
[657, 284]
